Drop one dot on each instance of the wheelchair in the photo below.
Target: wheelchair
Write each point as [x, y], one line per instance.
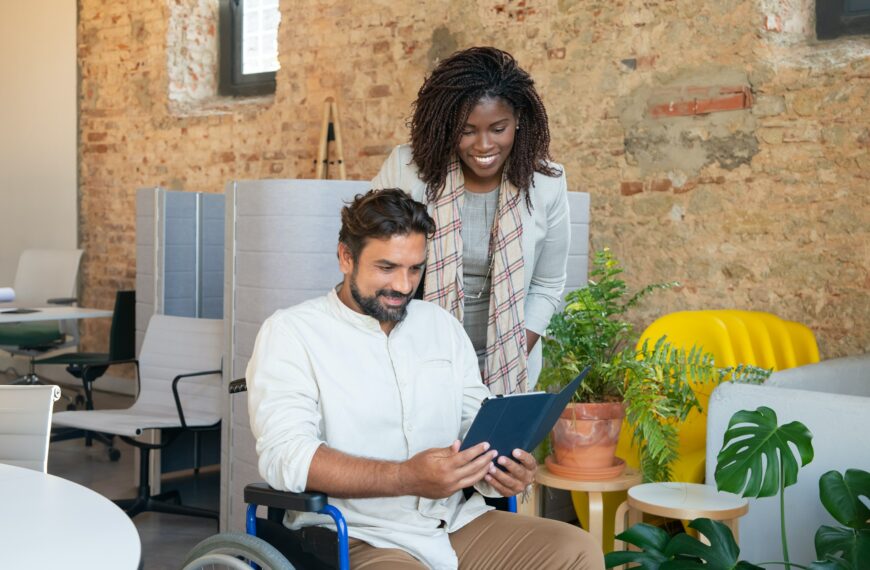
[268, 544]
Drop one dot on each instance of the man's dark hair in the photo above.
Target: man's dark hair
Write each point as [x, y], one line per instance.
[382, 214]
[447, 98]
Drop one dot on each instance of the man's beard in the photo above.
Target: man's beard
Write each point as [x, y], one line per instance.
[373, 308]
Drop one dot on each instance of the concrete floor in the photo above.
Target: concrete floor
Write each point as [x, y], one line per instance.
[166, 539]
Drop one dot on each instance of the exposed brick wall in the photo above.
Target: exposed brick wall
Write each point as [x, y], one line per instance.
[764, 207]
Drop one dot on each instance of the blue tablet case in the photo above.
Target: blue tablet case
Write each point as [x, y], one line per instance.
[520, 420]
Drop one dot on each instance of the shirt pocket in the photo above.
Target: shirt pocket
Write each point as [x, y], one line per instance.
[437, 402]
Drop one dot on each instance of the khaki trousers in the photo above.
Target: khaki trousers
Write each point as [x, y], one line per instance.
[498, 540]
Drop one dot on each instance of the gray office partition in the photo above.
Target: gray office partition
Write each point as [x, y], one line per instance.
[281, 238]
[578, 250]
[149, 290]
[179, 271]
[179, 255]
[211, 296]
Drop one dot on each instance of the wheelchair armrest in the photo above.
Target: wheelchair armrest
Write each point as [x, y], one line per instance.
[61, 301]
[263, 494]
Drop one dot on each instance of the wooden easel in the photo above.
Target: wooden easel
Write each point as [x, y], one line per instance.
[330, 131]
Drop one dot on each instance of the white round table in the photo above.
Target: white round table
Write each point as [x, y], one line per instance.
[683, 501]
[49, 522]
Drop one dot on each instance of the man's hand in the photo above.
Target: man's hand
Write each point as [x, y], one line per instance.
[519, 475]
[438, 473]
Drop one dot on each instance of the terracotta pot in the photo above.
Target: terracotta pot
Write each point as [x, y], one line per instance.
[586, 435]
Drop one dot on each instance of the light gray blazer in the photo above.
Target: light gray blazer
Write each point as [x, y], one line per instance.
[546, 235]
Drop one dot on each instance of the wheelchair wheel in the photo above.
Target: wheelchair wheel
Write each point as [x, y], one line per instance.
[234, 551]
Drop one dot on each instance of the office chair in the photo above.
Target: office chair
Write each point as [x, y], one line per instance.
[174, 349]
[43, 277]
[89, 366]
[269, 543]
[25, 424]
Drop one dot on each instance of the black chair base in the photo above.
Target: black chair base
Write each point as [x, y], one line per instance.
[28, 379]
[144, 501]
[169, 502]
[32, 379]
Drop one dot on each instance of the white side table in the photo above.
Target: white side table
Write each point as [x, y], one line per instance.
[681, 501]
[595, 490]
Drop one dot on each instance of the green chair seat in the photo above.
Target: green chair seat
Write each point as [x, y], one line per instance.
[77, 358]
[30, 335]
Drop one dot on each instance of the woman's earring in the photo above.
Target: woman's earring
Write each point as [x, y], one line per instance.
[518, 127]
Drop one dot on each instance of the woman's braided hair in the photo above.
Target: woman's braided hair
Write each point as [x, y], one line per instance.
[446, 99]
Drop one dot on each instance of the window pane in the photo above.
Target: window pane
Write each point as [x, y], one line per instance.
[854, 7]
[260, 20]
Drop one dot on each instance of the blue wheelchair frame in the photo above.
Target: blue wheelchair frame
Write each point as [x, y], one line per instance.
[340, 524]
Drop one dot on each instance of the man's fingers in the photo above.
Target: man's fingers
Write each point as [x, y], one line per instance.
[521, 471]
[478, 464]
[473, 452]
[516, 469]
[475, 477]
[509, 480]
[527, 459]
[500, 488]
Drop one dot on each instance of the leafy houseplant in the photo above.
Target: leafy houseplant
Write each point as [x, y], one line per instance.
[757, 460]
[655, 381]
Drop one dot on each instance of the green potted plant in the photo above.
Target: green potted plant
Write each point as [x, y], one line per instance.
[760, 458]
[651, 384]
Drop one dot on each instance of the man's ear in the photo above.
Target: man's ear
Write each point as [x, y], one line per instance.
[345, 259]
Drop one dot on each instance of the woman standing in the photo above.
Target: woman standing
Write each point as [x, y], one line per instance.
[479, 159]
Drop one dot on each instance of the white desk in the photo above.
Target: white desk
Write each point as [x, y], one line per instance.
[51, 314]
[49, 522]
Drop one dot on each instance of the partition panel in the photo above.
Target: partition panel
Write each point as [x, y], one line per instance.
[281, 238]
[180, 241]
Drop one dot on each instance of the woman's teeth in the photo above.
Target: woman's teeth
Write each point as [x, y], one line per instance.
[485, 160]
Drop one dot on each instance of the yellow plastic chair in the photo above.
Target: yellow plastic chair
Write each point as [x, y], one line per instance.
[733, 337]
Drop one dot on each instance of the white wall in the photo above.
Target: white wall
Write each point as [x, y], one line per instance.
[38, 128]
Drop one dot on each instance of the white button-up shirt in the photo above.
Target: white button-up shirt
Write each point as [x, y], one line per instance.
[323, 373]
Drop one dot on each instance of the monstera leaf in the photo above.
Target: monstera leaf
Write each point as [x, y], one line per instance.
[841, 496]
[650, 539]
[720, 554]
[682, 552]
[752, 436]
[832, 564]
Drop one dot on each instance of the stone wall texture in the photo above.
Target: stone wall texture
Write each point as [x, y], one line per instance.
[760, 204]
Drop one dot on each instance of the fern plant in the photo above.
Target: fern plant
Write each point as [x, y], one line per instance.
[592, 330]
[655, 381]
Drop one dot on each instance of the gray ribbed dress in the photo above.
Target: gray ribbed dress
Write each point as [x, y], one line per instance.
[477, 214]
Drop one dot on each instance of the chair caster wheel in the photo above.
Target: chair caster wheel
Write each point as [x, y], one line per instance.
[114, 454]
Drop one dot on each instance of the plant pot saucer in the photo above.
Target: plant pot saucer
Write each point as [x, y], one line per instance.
[586, 473]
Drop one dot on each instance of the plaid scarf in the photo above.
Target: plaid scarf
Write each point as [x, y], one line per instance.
[505, 371]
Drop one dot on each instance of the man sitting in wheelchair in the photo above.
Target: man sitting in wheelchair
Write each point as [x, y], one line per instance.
[364, 393]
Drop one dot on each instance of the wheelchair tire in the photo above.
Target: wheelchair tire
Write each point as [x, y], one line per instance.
[233, 551]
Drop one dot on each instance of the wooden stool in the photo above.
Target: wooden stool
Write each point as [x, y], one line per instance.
[681, 501]
[594, 489]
